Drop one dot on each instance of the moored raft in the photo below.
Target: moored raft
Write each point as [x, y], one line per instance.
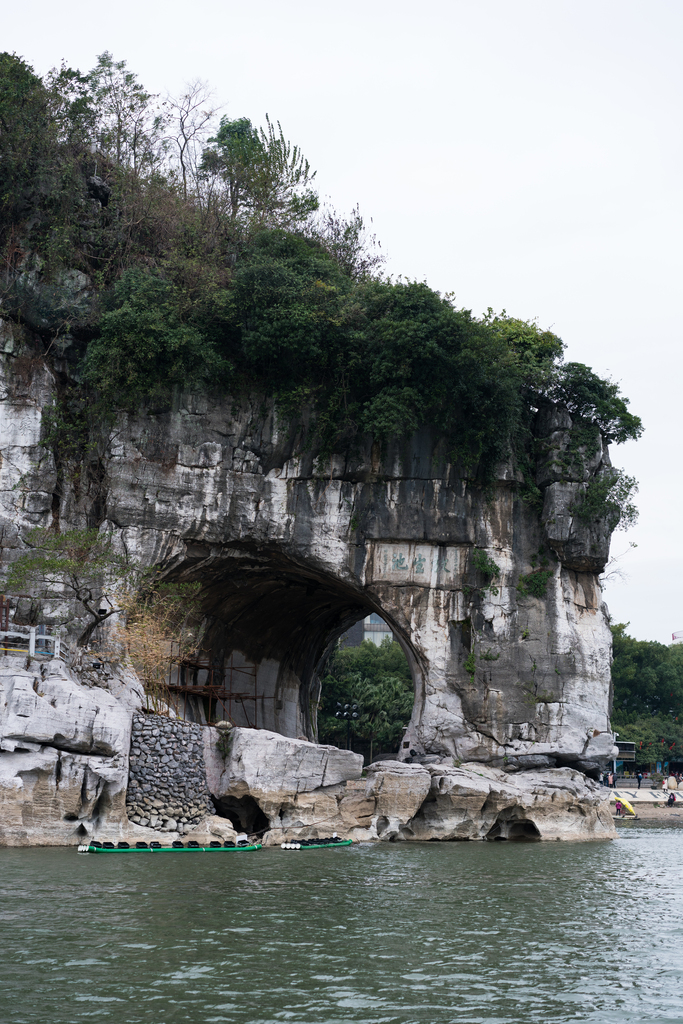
[176, 847]
[316, 844]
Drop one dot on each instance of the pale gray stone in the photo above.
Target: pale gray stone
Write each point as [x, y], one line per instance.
[476, 802]
[392, 531]
[52, 798]
[266, 765]
[54, 709]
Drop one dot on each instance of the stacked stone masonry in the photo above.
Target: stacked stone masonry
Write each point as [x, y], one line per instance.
[167, 787]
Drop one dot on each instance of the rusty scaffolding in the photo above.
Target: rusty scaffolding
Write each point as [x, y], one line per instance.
[222, 686]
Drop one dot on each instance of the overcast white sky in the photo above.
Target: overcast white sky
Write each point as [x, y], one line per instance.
[524, 154]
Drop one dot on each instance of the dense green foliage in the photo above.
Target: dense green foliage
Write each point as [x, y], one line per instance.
[648, 696]
[215, 269]
[535, 584]
[378, 679]
[594, 400]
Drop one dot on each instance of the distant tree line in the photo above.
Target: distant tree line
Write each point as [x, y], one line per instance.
[648, 696]
[378, 679]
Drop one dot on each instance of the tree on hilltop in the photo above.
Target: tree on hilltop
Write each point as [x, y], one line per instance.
[264, 176]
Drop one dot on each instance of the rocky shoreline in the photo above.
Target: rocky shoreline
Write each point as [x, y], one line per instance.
[79, 759]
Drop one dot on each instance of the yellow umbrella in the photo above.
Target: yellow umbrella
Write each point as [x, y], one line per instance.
[625, 804]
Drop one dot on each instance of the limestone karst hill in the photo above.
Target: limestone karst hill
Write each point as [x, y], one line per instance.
[200, 368]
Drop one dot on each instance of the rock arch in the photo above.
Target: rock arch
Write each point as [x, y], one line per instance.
[271, 623]
[503, 674]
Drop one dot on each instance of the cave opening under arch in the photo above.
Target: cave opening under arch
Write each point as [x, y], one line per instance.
[270, 626]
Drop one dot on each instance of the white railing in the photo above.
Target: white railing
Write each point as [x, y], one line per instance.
[30, 640]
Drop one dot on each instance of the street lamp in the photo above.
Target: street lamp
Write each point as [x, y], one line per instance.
[349, 712]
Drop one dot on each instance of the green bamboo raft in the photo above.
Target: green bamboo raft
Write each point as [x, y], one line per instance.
[316, 844]
[177, 847]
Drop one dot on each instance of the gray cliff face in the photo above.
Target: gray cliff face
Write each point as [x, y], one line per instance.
[289, 557]
[64, 743]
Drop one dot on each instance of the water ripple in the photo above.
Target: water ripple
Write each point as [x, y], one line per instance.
[458, 933]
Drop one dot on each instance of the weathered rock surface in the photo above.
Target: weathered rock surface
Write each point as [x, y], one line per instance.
[289, 557]
[46, 706]
[269, 767]
[478, 802]
[399, 801]
[52, 798]
[41, 797]
[212, 828]
[63, 754]
[399, 790]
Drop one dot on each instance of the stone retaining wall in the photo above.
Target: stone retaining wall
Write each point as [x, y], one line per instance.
[167, 787]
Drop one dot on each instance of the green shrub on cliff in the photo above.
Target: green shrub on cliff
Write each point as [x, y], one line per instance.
[145, 346]
[215, 270]
[609, 497]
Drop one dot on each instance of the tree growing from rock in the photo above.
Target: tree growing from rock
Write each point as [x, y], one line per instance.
[157, 620]
[264, 177]
[130, 124]
[82, 562]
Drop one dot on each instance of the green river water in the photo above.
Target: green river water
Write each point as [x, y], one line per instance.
[454, 932]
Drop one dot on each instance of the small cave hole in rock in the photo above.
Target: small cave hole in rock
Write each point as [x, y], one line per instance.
[495, 832]
[524, 831]
[243, 813]
[100, 808]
